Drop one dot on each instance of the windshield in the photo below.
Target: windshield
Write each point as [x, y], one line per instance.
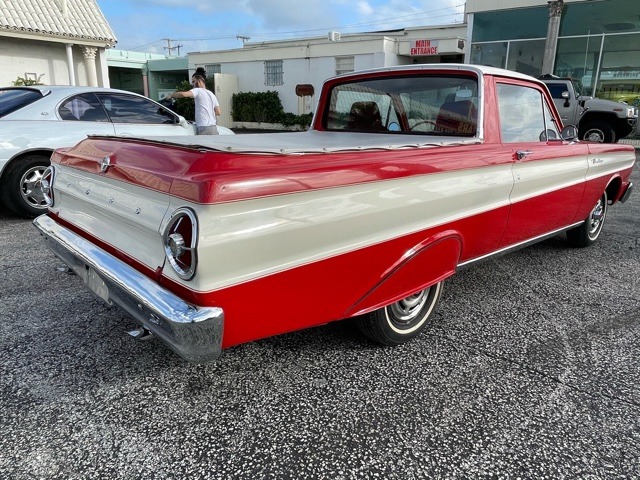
[436, 104]
[14, 99]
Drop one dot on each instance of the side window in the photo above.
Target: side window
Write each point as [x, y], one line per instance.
[556, 89]
[84, 107]
[124, 108]
[522, 114]
[552, 131]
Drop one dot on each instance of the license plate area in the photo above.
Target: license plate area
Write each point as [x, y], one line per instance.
[97, 285]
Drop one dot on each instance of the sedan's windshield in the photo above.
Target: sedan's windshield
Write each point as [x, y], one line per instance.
[14, 99]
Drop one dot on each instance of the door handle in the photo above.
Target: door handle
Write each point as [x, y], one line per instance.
[523, 153]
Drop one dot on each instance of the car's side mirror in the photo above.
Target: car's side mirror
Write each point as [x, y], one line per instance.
[569, 133]
[566, 97]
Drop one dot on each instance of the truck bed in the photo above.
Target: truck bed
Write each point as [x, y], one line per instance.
[312, 141]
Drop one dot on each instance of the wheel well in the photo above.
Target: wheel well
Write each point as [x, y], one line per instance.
[609, 118]
[44, 152]
[613, 190]
[433, 260]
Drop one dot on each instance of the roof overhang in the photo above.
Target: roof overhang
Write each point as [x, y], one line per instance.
[66, 39]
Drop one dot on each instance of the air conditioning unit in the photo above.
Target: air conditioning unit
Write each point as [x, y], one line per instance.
[334, 36]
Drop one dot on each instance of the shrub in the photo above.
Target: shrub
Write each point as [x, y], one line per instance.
[264, 107]
[185, 106]
[25, 82]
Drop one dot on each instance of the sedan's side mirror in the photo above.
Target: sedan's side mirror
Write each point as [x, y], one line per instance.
[569, 133]
[566, 97]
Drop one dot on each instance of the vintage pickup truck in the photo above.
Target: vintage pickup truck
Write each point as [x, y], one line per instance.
[406, 175]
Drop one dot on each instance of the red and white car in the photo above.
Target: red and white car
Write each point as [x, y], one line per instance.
[407, 175]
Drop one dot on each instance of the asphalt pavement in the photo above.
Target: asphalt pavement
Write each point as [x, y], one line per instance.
[529, 371]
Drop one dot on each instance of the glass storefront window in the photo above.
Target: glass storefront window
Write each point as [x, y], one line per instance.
[515, 39]
[526, 57]
[521, 56]
[589, 18]
[510, 24]
[492, 54]
[620, 71]
[577, 58]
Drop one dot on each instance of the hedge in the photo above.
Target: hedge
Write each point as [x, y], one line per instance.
[264, 107]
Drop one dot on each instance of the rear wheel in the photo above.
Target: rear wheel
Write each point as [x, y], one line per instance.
[21, 186]
[589, 231]
[403, 320]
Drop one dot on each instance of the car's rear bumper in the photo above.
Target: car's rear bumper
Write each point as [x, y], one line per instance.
[194, 333]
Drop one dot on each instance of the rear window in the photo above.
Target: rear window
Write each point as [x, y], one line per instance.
[435, 104]
[14, 99]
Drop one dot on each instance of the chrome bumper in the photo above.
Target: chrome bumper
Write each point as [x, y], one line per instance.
[194, 333]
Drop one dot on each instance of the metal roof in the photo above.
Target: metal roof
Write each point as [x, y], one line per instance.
[79, 20]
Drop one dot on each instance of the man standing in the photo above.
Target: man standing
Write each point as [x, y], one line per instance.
[207, 106]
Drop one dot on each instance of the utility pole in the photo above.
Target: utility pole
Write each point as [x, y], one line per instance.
[243, 38]
[553, 29]
[169, 48]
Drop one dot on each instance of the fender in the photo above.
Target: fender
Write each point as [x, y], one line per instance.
[427, 263]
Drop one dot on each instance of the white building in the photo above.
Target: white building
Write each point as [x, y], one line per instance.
[60, 42]
[282, 66]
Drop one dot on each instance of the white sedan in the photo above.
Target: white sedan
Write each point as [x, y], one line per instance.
[36, 120]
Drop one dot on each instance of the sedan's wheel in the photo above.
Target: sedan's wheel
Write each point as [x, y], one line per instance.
[598, 131]
[589, 231]
[403, 320]
[22, 189]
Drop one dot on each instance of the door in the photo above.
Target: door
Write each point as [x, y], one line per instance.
[136, 116]
[548, 173]
[225, 85]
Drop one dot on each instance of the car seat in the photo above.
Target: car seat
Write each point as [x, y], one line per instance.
[365, 116]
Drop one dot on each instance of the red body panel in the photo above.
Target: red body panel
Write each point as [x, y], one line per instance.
[345, 285]
[215, 177]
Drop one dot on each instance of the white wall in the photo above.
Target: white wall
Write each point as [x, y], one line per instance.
[19, 56]
[312, 61]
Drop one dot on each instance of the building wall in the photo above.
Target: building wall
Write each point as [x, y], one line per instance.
[312, 61]
[19, 56]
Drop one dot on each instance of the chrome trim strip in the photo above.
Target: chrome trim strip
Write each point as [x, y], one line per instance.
[516, 246]
[194, 333]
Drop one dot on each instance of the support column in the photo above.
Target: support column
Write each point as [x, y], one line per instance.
[145, 81]
[90, 64]
[551, 44]
[70, 67]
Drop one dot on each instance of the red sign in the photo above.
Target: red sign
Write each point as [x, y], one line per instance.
[424, 47]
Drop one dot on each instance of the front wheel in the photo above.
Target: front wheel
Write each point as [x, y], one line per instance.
[403, 320]
[589, 231]
[21, 189]
[598, 131]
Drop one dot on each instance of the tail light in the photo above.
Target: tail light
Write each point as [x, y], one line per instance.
[180, 241]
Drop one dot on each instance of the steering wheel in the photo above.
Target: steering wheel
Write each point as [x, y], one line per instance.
[422, 122]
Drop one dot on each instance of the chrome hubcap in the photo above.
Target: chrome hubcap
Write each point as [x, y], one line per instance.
[596, 217]
[594, 136]
[408, 308]
[31, 187]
